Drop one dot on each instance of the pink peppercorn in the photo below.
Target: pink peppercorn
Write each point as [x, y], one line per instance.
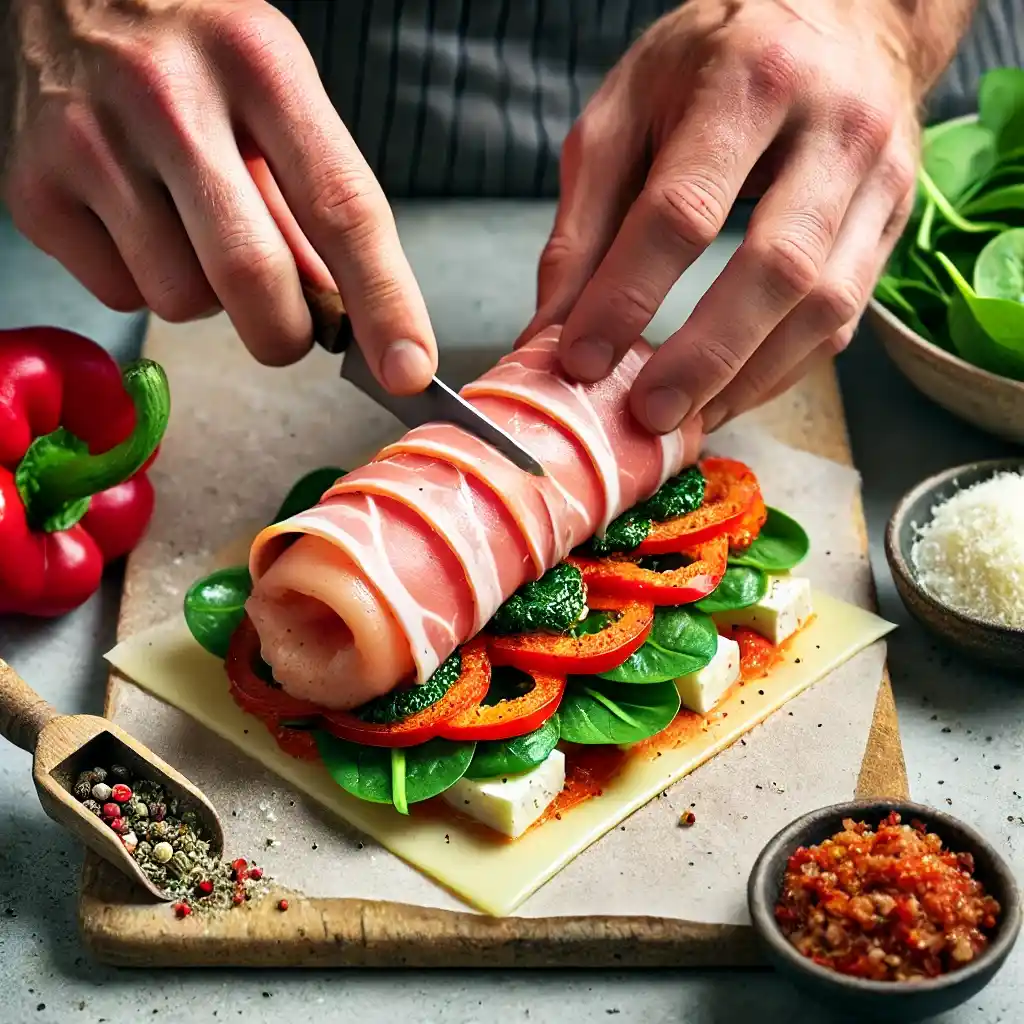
[111, 811]
[282, 905]
[121, 793]
[255, 874]
[182, 909]
[119, 825]
[205, 887]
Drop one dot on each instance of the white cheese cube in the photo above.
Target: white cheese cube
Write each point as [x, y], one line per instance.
[700, 691]
[510, 804]
[779, 614]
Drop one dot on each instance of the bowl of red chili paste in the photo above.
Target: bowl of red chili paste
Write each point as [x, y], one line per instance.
[890, 909]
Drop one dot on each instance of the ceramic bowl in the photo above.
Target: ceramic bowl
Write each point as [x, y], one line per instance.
[994, 404]
[988, 642]
[881, 1000]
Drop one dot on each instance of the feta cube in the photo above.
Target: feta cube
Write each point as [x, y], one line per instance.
[779, 614]
[700, 691]
[510, 804]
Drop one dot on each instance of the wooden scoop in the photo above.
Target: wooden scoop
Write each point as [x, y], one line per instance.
[66, 745]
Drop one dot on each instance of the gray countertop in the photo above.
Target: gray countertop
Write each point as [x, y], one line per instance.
[960, 727]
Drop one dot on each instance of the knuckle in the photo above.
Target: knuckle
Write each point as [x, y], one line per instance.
[345, 201]
[247, 265]
[840, 341]
[898, 174]
[692, 211]
[838, 302]
[631, 302]
[559, 253]
[721, 362]
[82, 134]
[863, 127]
[775, 73]
[789, 265]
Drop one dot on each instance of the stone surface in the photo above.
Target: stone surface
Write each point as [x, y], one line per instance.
[964, 748]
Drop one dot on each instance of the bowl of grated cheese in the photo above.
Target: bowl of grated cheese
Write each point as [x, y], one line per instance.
[955, 545]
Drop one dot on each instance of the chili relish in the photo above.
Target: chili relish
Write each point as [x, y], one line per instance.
[885, 905]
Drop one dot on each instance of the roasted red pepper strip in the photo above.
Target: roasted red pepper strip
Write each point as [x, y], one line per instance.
[76, 435]
[466, 692]
[730, 490]
[509, 718]
[563, 654]
[620, 575]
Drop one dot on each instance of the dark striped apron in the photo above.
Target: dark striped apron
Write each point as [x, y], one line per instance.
[474, 97]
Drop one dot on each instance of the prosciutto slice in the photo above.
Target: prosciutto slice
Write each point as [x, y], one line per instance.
[409, 556]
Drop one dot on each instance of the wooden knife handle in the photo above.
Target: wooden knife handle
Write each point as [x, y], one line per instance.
[23, 713]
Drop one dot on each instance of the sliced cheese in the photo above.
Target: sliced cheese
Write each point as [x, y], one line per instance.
[784, 609]
[495, 877]
[510, 804]
[700, 691]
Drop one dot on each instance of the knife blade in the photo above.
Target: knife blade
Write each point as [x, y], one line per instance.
[437, 402]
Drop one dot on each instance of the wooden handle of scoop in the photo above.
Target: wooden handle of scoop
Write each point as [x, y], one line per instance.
[23, 713]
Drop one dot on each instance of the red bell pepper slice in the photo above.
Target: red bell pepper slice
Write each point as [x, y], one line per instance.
[730, 490]
[509, 718]
[466, 692]
[746, 529]
[76, 435]
[621, 575]
[564, 654]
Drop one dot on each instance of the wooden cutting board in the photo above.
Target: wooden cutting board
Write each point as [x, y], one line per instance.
[119, 926]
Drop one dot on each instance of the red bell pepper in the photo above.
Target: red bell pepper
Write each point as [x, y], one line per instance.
[466, 692]
[624, 576]
[731, 489]
[508, 718]
[75, 436]
[582, 655]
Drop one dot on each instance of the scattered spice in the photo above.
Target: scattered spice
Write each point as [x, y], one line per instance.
[166, 839]
[687, 818]
[890, 904]
[282, 905]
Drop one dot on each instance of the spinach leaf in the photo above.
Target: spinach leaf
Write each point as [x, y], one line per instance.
[512, 757]
[1001, 200]
[375, 775]
[945, 209]
[782, 544]
[306, 492]
[593, 623]
[554, 603]
[677, 496]
[986, 332]
[999, 272]
[215, 605]
[741, 586]
[681, 641]
[595, 711]
[410, 700]
[958, 156]
[624, 533]
[1001, 106]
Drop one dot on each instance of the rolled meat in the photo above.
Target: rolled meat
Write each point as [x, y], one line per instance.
[409, 556]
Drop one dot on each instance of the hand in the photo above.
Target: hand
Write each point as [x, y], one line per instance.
[124, 163]
[807, 102]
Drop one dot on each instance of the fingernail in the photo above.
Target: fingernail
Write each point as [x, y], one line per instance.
[589, 358]
[665, 408]
[405, 367]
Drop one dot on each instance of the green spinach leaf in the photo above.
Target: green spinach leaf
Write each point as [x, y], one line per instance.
[596, 711]
[987, 332]
[554, 603]
[1001, 107]
[782, 544]
[215, 605]
[512, 757]
[681, 641]
[593, 623]
[624, 533]
[999, 272]
[307, 491]
[741, 586]
[1009, 198]
[958, 156]
[375, 775]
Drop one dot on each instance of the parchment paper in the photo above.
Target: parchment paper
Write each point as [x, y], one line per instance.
[806, 755]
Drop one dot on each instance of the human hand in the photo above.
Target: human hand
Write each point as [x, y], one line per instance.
[123, 162]
[810, 104]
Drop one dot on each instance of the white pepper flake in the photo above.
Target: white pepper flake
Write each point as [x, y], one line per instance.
[163, 852]
[101, 792]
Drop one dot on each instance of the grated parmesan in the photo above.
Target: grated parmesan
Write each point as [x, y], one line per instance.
[970, 555]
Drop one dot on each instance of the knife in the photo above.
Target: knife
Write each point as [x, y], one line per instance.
[332, 330]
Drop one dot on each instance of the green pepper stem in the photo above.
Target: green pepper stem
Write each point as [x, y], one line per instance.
[55, 483]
